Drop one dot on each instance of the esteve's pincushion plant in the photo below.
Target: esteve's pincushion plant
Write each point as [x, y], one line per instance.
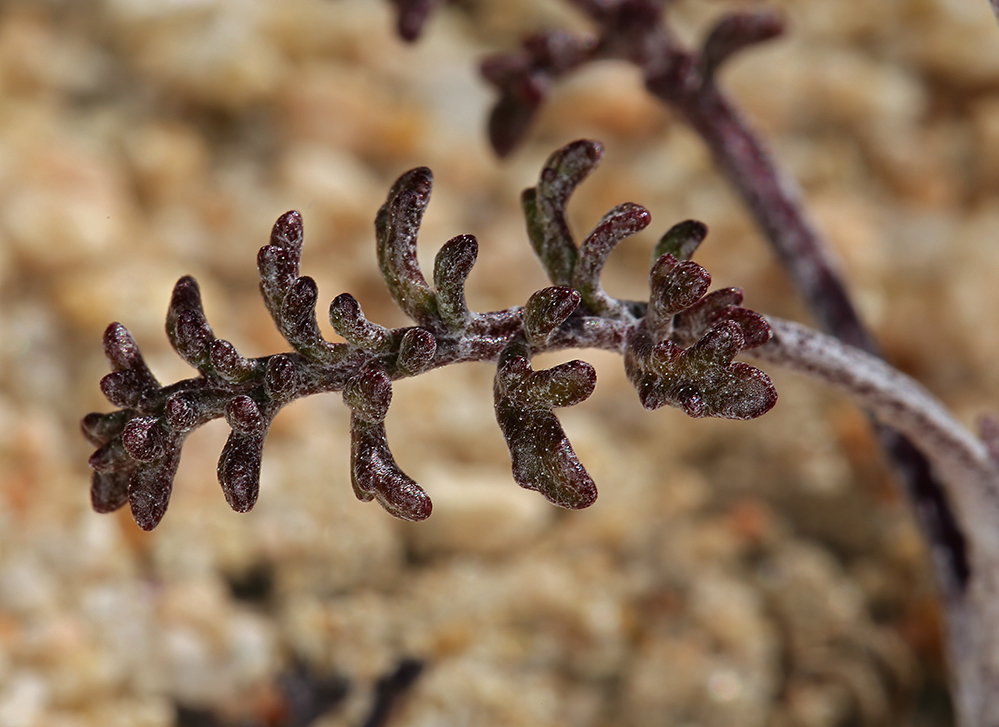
[678, 346]
[678, 349]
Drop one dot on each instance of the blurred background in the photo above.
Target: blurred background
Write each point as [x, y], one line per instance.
[736, 574]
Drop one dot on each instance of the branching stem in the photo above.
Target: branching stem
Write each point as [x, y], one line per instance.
[686, 361]
[686, 81]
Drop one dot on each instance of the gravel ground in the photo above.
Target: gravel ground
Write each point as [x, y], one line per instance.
[761, 574]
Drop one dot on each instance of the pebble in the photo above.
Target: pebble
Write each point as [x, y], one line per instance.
[480, 515]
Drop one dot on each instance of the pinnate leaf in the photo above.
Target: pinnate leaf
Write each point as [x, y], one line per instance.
[702, 379]
[348, 320]
[451, 268]
[138, 447]
[621, 222]
[542, 457]
[278, 262]
[130, 385]
[545, 207]
[375, 475]
[187, 328]
[397, 226]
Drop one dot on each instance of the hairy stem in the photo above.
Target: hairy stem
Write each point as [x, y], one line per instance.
[685, 83]
[774, 201]
[970, 476]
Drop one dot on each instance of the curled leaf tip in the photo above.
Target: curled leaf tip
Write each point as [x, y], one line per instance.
[239, 469]
[99, 429]
[149, 489]
[675, 285]
[375, 474]
[545, 207]
[620, 223]
[300, 301]
[186, 325]
[181, 411]
[681, 240]
[186, 294]
[230, 365]
[571, 164]
[411, 192]
[111, 457]
[542, 458]
[297, 322]
[122, 388]
[348, 320]
[452, 266]
[717, 307]
[278, 261]
[406, 500]
[287, 232]
[547, 309]
[120, 348]
[734, 33]
[397, 227]
[244, 416]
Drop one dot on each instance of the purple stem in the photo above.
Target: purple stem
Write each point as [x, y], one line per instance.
[677, 77]
[774, 201]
